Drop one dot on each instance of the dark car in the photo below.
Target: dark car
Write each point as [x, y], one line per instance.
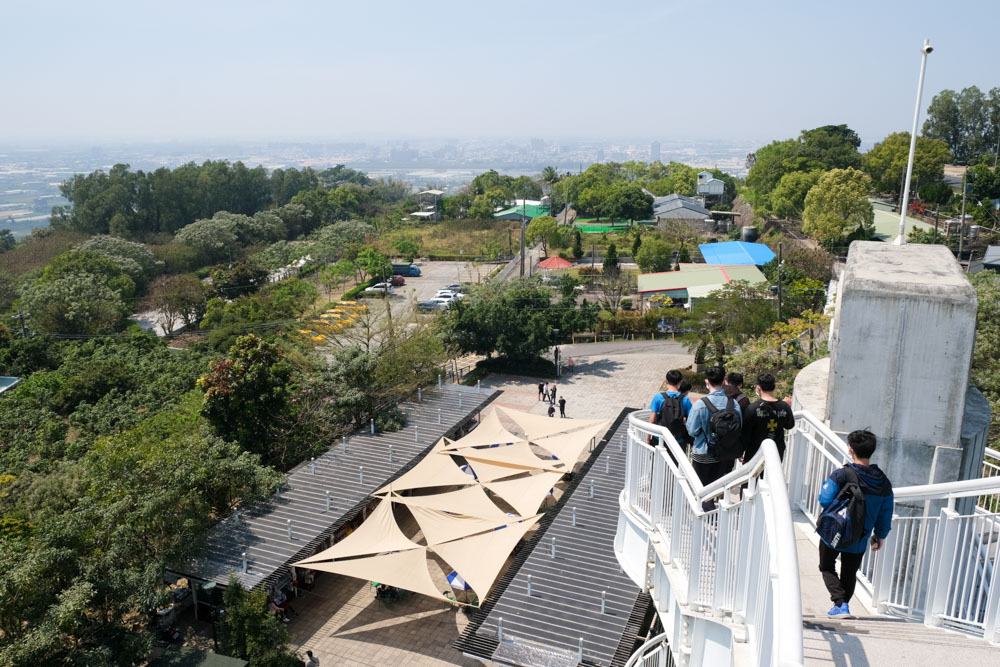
[396, 281]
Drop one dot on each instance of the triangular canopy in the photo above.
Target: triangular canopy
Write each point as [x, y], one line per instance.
[376, 534]
[525, 494]
[479, 559]
[555, 262]
[538, 426]
[518, 455]
[488, 472]
[470, 501]
[568, 447]
[489, 432]
[441, 527]
[432, 470]
[402, 569]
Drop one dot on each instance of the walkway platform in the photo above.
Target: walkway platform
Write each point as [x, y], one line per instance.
[545, 627]
[348, 473]
[870, 639]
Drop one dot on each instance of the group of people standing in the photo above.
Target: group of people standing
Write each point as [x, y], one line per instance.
[547, 392]
[725, 427]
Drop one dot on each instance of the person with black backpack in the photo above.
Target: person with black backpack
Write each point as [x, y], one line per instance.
[766, 418]
[856, 499]
[670, 409]
[716, 424]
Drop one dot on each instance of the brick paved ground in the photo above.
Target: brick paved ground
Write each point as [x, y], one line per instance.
[340, 620]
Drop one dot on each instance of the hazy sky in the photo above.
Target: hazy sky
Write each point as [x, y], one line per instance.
[324, 70]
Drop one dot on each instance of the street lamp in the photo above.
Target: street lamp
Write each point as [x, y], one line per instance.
[924, 51]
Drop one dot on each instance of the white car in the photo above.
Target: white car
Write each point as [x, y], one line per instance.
[383, 288]
[448, 294]
[437, 303]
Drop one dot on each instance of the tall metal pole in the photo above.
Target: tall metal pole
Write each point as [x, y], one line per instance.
[522, 248]
[779, 281]
[961, 222]
[925, 50]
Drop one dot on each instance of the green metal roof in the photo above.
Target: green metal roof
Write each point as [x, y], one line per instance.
[698, 280]
[887, 225]
[531, 211]
[186, 656]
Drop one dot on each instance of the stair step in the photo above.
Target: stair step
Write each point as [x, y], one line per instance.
[888, 628]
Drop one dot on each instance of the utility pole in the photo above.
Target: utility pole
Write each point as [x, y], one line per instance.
[961, 222]
[925, 50]
[20, 317]
[522, 248]
[593, 252]
[779, 281]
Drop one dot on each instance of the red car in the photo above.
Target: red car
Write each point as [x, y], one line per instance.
[396, 281]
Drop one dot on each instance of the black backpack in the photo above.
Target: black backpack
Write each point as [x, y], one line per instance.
[842, 523]
[672, 416]
[725, 430]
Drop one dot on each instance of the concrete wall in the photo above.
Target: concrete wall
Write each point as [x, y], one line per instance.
[902, 345]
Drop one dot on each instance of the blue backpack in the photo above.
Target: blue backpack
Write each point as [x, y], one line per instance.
[842, 523]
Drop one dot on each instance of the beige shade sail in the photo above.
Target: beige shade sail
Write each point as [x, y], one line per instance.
[489, 432]
[435, 469]
[568, 447]
[376, 534]
[487, 472]
[402, 569]
[479, 559]
[525, 494]
[470, 501]
[442, 527]
[518, 455]
[538, 426]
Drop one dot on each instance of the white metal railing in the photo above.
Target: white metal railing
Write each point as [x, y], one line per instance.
[936, 566]
[705, 532]
[654, 653]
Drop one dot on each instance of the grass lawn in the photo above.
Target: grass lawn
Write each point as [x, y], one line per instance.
[453, 237]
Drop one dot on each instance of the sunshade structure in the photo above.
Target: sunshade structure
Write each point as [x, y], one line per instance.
[458, 520]
[696, 280]
[736, 253]
[555, 262]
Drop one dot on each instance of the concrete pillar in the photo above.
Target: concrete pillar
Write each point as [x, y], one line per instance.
[902, 343]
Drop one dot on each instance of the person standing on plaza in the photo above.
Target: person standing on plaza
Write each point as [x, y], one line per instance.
[541, 388]
[715, 423]
[858, 477]
[562, 407]
[766, 418]
[545, 392]
[312, 661]
[552, 394]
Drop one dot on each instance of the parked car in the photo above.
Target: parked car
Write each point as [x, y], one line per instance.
[454, 287]
[448, 294]
[433, 304]
[380, 288]
[397, 281]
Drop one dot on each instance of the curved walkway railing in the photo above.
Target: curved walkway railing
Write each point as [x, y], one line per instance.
[727, 548]
[937, 566]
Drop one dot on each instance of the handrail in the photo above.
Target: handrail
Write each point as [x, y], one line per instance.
[649, 648]
[788, 606]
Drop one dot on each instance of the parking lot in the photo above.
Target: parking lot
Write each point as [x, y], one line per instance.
[433, 276]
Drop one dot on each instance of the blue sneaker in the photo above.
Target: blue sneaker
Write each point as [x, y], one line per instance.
[840, 611]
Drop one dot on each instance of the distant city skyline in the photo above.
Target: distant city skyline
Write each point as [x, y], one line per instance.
[120, 71]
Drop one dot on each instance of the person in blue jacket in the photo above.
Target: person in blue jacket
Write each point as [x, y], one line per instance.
[878, 516]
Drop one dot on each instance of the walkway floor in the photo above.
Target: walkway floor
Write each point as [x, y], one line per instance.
[870, 639]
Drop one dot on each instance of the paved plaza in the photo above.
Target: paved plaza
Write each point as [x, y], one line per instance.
[341, 621]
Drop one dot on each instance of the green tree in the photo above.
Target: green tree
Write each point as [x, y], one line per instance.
[610, 263]
[636, 243]
[481, 208]
[550, 176]
[730, 316]
[7, 240]
[886, 161]
[514, 319]
[92, 263]
[406, 248]
[788, 199]
[838, 207]
[655, 255]
[243, 277]
[250, 631]
[985, 370]
[335, 275]
[577, 244]
[545, 229]
[78, 303]
[372, 263]
[627, 201]
[244, 390]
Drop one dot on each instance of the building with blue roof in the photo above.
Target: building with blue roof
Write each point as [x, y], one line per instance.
[736, 253]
